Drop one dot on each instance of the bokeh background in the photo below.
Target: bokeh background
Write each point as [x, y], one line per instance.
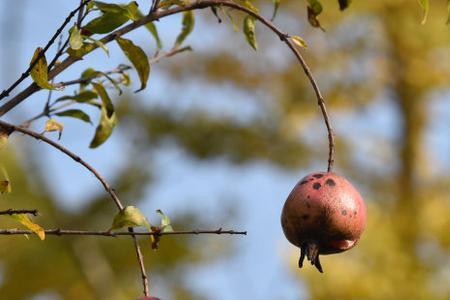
[219, 138]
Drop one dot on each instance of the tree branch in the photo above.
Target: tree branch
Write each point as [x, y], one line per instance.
[25, 74]
[199, 4]
[67, 152]
[106, 233]
[11, 211]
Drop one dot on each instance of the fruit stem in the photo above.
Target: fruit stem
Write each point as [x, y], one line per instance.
[310, 250]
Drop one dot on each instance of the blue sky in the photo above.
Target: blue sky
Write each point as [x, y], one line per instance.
[263, 265]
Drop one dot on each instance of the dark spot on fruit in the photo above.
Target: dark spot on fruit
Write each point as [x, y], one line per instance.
[318, 176]
[317, 186]
[344, 212]
[307, 204]
[308, 197]
[330, 182]
[305, 217]
[311, 179]
[355, 213]
[303, 182]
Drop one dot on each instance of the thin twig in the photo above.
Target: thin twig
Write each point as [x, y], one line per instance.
[25, 74]
[49, 98]
[140, 257]
[69, 153]
[11, 211]
[199, 4]
[154, 6]
[80, 14]
[27, 123]
[107, 233]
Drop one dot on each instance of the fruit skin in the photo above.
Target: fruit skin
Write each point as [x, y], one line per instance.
[324, 214]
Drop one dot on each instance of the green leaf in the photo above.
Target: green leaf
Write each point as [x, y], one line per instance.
[90, 73]
[425, 7]
[75, 113]
[53, 125]
[26, 221]
[132, 10]
[109, 7]
[152, 29]
[75, 40]
[138, 58]
[104, 129]
[232, 21]
[80, 98]
[248, 4]
[165, 222]
[128, 10]
[299, 41]
[249, 31]
[130, 216]
[314, 9]
[106, 100]
[85, 49]
[343, 4]
[39, 72]
[188, 25]
[99, 44]
[90, 6]
[106, 22]
[169, 3]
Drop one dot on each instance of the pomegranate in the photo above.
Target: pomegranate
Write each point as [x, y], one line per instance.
[324, 214]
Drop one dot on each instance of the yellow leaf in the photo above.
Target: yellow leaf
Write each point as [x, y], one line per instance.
[104, 129]
[187, 27]
[165, 222]
[39, 72]
[299, 41]
[53, 125]
[130, 216]
[26, 221]
[138, 58]
[75, 40]
[249, 31]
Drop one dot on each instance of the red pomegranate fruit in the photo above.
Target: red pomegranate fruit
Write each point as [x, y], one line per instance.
[324, 214]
